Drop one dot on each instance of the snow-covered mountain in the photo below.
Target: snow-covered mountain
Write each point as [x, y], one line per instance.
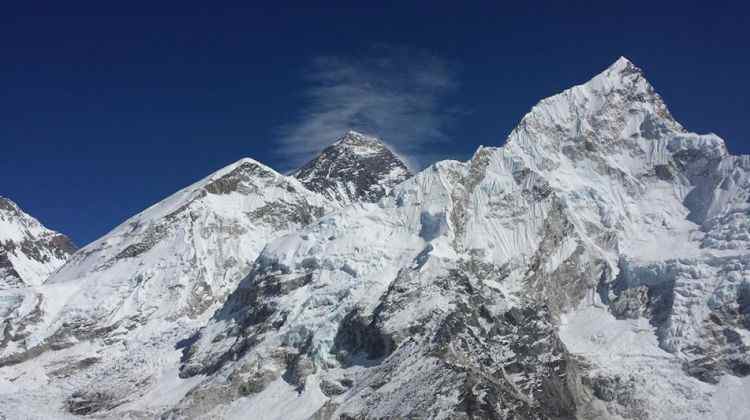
[593, 267]
[127, 298]
[134, 293]
[29, 252]
[355, 168]
[597, 266]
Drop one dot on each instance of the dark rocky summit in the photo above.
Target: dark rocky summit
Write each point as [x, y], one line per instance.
[355, 168]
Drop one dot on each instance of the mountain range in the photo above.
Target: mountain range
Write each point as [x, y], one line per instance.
[596, 266]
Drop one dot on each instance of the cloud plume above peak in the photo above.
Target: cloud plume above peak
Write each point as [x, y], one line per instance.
[392, 93]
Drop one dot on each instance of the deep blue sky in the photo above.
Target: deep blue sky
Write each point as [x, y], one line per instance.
[108, 107]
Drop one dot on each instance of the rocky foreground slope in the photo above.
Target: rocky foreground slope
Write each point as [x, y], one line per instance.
[594, 267]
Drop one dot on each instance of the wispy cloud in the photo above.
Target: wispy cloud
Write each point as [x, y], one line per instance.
[392, 93]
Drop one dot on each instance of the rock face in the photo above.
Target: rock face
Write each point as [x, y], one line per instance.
[355, 168]
[29, 252]
[594, 267]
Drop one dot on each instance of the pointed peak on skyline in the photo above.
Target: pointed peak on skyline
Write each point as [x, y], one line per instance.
[356, 137]
[620, 71]
[622, 62]
[357, 167]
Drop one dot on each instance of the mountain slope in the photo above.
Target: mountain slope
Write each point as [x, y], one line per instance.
[355, 168]
[29, 252]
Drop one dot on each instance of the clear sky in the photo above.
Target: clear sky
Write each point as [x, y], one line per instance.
[108, 107]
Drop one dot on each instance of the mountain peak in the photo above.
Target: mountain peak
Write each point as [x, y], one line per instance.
[8, 205]
[360, 143]
[353, 136]
[242, 176]
[621, 74]
[624, 69]
[622, 63]
[617, 106]
[357, 167]
[29, 252]
[243, 165]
